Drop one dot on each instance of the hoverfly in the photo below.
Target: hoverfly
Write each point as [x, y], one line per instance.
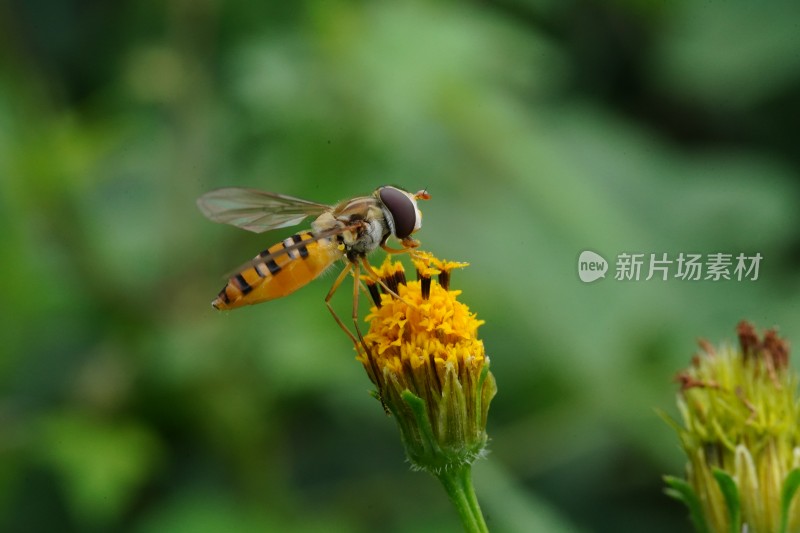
[348, 230]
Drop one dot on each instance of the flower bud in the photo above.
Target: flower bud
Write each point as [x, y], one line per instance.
[740, 433]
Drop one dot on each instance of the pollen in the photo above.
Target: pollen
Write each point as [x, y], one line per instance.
[416, 330]
[439, 326]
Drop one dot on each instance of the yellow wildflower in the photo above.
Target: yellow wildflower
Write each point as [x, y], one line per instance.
[431, 372]
[423, 354]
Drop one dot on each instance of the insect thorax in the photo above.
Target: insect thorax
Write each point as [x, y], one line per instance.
[372, 229]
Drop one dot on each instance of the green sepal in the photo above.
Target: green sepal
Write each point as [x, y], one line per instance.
[427, 437]
[479, 389]
[417, 406]
[682, 491]
[671, 422]
[790, 485]
[730, 491]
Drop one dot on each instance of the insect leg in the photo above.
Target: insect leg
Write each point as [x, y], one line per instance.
[408, 245]
[345, 271]
[390, 250]
[367, 352]
[356, 284]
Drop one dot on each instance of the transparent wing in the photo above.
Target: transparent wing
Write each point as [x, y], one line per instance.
[256, 211]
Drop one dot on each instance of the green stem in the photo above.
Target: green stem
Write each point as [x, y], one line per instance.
[458, 485]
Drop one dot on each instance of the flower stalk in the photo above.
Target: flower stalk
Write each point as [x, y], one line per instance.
[431, 374]
[458, 485]
[741, 435]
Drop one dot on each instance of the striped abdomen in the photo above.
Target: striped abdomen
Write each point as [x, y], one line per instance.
[282, 273]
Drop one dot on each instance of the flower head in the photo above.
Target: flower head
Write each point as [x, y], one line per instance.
[741, 435]
[423, 354]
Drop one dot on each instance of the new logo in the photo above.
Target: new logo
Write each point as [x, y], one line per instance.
[591, 266]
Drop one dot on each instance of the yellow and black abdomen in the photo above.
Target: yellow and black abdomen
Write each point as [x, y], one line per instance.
[279, 270]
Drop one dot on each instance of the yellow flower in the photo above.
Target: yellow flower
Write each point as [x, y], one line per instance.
[741, 435]
[423, 354]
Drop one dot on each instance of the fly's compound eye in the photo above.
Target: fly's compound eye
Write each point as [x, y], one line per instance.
[403, 210]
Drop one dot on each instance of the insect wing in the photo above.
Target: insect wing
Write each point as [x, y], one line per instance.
[256, 211]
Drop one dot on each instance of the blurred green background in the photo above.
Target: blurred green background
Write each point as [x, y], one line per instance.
[540, 128]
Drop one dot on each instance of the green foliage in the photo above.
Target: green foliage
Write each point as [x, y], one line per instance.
[540, 129]
[100, 484]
